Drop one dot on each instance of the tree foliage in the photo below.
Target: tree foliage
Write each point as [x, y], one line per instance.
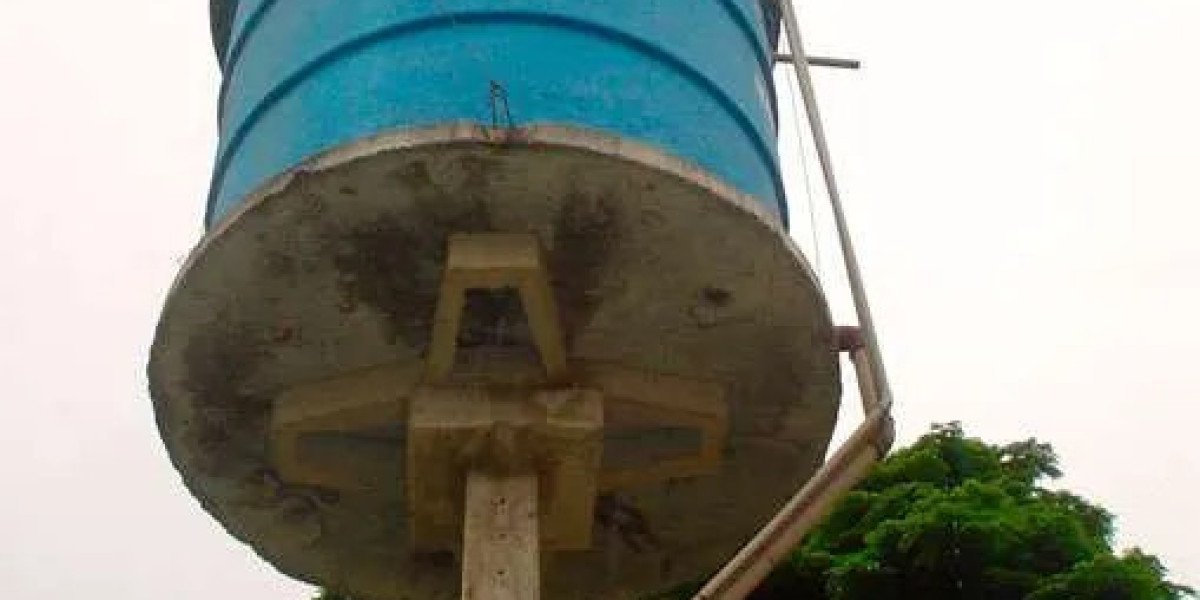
[953, 517]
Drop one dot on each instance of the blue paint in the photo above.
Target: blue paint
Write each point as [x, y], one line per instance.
[690, 77]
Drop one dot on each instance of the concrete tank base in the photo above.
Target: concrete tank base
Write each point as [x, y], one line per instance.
[335, 266]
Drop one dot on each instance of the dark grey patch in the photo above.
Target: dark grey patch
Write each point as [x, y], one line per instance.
[227, 437]
[220, 359]
[328, 496]
[386, 266]
[629, 523]
[310, 204]
[441, 208]
[776, 351]
[296, 507]
[652, 219]
[494, 318]
[438, 559]
[391, 266]
[717, 297]
[586, 234]
[642, 447]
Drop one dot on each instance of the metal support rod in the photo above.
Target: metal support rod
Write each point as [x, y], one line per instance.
[822, 61]
[853, 273]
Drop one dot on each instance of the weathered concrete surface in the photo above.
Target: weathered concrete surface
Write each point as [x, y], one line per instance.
[335, 267]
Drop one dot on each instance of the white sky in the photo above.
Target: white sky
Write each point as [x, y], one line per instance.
[1021, 177]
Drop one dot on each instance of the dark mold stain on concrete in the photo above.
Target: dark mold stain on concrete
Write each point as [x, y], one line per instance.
[717, 297]
[494, 318]
[220, 359]
[395, 266]
[587, 232]
[387, 267]
[627, 521]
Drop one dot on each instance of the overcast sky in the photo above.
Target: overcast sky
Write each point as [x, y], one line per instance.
[1023, 179]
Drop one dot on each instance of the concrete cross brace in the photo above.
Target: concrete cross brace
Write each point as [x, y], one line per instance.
[556, 435]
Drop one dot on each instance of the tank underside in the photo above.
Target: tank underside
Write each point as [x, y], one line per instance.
[335, 266]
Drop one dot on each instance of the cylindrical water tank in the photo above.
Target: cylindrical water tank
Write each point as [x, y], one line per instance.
[690, 77]
[630, 141]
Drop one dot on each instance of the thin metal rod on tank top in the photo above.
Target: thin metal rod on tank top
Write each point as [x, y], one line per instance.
[822, 61]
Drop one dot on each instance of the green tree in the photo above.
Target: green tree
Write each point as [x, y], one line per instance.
[953, 517]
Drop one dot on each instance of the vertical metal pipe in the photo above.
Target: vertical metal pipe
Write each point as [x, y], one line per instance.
[857, 288]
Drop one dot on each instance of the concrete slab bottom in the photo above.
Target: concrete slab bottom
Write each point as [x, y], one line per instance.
[335, 267]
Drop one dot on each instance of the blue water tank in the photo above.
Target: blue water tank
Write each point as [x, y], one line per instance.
[631, 145]
[689, 77]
